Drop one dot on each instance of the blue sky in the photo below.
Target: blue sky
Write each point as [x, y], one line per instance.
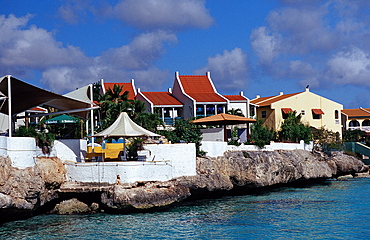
[258, 47]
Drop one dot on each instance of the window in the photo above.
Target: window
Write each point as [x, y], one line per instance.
[303, 112]
[263, 114]
[316, 116]
[285, 112]
[316, 113]
[336, 115]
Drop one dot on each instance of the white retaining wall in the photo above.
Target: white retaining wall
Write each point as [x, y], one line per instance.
[215, 148]
[165, 162]
[124, 172]
[22, 151]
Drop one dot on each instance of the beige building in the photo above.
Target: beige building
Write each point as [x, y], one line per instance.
[316, 110]
[357, 119]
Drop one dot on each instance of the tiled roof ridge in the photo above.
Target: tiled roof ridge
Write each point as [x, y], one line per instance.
[193, 76]
[265, 99]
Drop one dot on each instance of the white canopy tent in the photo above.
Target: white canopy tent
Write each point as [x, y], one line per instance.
[125, 127]
[22, 96]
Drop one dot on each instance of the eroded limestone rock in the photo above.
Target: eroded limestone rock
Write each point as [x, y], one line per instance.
[71, 206]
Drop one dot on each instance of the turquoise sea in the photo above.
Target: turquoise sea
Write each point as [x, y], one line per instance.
[329, 210]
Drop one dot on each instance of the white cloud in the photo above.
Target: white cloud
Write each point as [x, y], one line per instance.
[304, 40]
[141, 52]
[229, 70]
[349, 67]
[164, 14]
[33, 47]
[72, 11]
[24, 50]
[264, 44]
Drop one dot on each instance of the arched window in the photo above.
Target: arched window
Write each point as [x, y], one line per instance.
[336, 114]
[366, 123]
[354, 123]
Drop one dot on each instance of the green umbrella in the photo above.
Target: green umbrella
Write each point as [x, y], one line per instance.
[62, 119]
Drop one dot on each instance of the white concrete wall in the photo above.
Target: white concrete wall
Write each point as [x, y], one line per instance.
[210, 134]
[166, 161]
[127, 172]
[242, 105]
[182, 157]
[21, 151]
[215, 149]
[70, 149]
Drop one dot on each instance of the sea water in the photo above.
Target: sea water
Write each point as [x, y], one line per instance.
[329, 210]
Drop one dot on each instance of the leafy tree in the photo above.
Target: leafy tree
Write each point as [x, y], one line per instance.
[137, 108]
[44, 138]
[237, 112]
[326, 139]
[354, 136]
[112, 103]
[293, 130]
[185, 131]
[149, 121]
[261, 135]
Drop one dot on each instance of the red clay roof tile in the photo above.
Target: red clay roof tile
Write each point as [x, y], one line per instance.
[125, 87]
[196, 84]
[162, 98]
[235, 97]
[267, 101]
[200, 88]
[357, 112]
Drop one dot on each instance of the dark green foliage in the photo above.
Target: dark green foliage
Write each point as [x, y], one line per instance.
[44, 138]
[293, 130]
[354, 136]
[234, 137]
[149, 121]
[135, 145]
[186, 132]
[326, 140]
[113, 102]
[236, 112]
[246, 155]
[261, 135]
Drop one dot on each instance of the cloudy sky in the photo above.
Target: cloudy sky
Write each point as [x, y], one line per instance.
[259, 47]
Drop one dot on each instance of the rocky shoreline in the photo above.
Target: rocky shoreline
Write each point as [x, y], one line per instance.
[42, 189]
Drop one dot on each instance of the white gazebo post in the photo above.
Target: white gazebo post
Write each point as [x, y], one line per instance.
[10, 106]
[92, 116]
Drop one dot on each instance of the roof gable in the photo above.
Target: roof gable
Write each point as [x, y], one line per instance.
[267, 101]
[196, 84]
[125, 87]
[200, 88]
[162, 98]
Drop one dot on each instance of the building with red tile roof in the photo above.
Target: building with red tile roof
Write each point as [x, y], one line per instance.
[357, 119]
[198, 95]
[130, 87]
[238, 102]
[162, 103]
[316, 111]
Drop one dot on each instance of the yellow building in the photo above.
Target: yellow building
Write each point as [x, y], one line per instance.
[316, 111]
[357, 119]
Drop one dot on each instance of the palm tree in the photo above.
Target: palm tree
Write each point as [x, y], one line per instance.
[112, 103]
[237, 112]
[149, 121]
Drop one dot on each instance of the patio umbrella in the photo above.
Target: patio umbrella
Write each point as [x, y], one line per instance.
[62, 119]
[223, 119]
